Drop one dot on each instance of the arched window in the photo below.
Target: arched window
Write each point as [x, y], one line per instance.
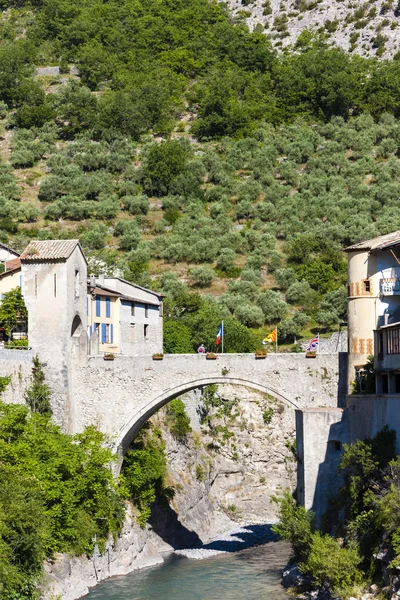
[76, 326]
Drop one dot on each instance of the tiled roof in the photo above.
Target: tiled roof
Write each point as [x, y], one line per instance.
[42, 250]
[11, 266]
[379, 243]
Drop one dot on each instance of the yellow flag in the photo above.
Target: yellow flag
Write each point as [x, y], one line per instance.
[270, 338]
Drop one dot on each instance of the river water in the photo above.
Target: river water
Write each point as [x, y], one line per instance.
[250, 574]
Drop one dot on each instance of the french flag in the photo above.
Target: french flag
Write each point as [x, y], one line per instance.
[219, 335]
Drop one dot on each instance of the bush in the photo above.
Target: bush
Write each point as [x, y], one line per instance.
[178, 419]
[296, 525]
[143, 470]
[202, 276]
[329, 563]
[272, 306]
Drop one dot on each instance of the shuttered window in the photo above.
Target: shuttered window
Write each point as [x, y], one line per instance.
[97, 306]
[108, 307]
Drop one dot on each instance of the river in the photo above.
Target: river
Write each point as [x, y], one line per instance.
[250, 574]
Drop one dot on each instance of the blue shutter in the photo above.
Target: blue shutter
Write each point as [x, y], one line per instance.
[108, 307]
[111, 333]
[90, 331]
[97, 306]
[103, 333]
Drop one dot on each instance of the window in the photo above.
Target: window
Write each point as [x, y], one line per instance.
[145, 330]
[380, 345]
[76, 284]
[132, 309]
[385, 384]
[146, 311]
[397, 381]
[393, 341]
[367, 286]
[108, 307]
[97, 306]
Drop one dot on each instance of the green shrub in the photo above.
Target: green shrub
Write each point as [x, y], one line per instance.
[178, 419]
[296, 525]
[329, 563]
[143, 471]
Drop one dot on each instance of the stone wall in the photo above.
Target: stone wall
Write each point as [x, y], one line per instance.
[18, 364]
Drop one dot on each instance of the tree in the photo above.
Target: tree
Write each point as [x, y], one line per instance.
[177, 338]
[272, 305]
[12, 310]
[202, 276]
[38, 394]
[163, 163]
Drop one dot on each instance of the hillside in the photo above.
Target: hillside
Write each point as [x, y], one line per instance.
[365, 28]
[189, 156]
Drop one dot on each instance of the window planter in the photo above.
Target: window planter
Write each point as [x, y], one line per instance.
[311, 355]
[109, 356]
[158, 356]
[211, 356]
[260, 354]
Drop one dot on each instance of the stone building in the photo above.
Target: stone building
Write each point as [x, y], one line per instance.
[373, 295]
[124, 318]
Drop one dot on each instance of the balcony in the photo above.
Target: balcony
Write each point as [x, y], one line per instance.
[390, 286]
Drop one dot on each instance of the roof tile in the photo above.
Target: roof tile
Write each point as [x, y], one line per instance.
[42, 250]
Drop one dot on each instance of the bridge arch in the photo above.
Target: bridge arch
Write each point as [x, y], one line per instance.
[128, 432]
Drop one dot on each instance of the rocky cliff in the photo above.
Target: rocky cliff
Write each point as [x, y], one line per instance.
[365, 28]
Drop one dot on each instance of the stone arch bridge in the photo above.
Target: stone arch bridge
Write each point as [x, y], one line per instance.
[119, 396]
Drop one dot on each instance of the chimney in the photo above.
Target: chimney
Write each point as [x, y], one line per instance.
[92, 283]
[386, 317]
[101, 278]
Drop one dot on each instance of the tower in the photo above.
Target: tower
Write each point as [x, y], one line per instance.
[54, 282]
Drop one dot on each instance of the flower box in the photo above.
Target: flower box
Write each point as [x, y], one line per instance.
[260, 354]
[158, 356]
[109, 356]
[311, 355]
[211, 356]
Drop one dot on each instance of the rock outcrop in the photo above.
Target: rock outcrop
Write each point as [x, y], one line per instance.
[364, 28]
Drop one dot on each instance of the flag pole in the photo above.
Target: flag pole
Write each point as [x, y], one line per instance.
[318, 343]
[222, 348]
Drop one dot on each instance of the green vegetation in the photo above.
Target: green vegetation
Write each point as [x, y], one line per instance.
[143, 471]
[57, 493]
[364, 516]
[186, 144]
[38, 394]
[12, 310]
[178, 420]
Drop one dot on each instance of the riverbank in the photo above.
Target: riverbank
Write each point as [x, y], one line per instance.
[72, 577]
